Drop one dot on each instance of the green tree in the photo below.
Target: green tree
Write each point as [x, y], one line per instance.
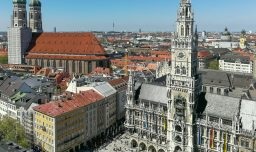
[214, 65]
[3, 59]
[11, 130]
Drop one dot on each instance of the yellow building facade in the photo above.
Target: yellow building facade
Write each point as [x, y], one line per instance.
[62, 126]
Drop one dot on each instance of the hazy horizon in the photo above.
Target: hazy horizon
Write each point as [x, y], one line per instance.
[147, 15]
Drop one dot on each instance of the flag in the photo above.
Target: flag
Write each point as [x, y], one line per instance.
[212, 138]
[225, 142]
[199, 136]
[145, 119]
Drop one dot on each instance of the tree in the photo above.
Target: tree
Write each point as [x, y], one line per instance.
[11, 130]
[214, 65]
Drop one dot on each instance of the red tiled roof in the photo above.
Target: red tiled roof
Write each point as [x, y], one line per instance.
[64, 57]
[147, 58]
[57, 108]
[3, 50]
[66, 43]
[160, 53]
[203, 54]
[119, 81]
[101, 70]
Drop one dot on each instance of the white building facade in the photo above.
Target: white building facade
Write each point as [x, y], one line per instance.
[236, 64]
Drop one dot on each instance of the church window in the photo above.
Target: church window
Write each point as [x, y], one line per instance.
[31, 16]
[15, 14]
[73, 66]
[54, 63]
[80, 67]
[60, 63]
[89, 66]
[182, 30]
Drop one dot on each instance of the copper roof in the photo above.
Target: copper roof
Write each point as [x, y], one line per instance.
[66, 43]
[57, 108]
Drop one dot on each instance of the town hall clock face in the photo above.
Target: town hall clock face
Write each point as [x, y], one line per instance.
[181, 55]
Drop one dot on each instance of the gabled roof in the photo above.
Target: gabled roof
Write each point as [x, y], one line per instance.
[11, 85]
[116, 82]
[105, 89]
[65, 43]
[154, 93]
[57, 108]
[221, 106]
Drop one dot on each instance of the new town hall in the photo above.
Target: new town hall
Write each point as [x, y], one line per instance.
[186, 110]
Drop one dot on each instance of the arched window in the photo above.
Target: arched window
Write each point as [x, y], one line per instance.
[187, 12]
[177, 149]
[187, 30]
[177, 70]
[184, 71]
[15, 14]
[178, 138]
[178, 128]
[182, 30]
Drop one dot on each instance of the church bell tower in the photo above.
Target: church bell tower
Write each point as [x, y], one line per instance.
[183, 83]
[35, 16]
[19, 34]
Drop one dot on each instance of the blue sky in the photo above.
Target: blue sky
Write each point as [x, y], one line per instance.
[131, 15]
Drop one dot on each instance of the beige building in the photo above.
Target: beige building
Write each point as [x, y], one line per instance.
[71, 124]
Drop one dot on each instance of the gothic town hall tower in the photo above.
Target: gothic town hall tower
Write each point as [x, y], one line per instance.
[183, 83]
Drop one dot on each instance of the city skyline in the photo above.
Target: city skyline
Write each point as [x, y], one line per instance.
[151, 16]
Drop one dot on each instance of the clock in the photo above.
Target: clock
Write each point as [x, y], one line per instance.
[181, 55]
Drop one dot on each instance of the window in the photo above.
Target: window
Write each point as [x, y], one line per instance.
[211, 89]
[218, 91]
[204, 89]
[177, 70]
[226, 92]
[214, 119]
[187, 30]
[245, 143]
[182, 30]
[184, 72]
[227, 122]
[178, 128]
